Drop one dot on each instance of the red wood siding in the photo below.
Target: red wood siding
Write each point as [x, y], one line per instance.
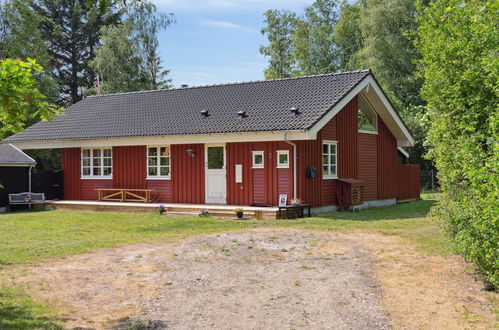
[261, 186]
[188, 174]
[387, 163]
[70, 160]
[408, 182]
[239, 193]
[88, 192]
[347, 141]
[129, 167]
[163, 190]
[368, 165]
[309, 154]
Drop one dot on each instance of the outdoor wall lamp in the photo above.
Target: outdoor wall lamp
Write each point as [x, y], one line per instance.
[191, 153]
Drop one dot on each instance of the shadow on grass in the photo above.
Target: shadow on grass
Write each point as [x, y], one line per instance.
[18, 312]
[415, 209]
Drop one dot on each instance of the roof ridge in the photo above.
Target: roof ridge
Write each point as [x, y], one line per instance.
[235, 83]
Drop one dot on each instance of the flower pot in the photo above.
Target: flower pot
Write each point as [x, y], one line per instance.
[239, 215]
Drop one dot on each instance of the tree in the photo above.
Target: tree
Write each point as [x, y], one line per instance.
[70, 30]
[314, 47]
[20, 99]
[348, 36]
[278, 30]
[128, 58]
[458, 42]
[21, 38]
[388, 50]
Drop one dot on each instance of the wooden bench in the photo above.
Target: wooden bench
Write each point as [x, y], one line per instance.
[124, 195]
[26, 198]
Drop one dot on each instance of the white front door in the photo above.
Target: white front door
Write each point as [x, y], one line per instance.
[216, 185]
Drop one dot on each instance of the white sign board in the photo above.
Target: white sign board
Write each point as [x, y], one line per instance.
[283, 200]
[239, 173]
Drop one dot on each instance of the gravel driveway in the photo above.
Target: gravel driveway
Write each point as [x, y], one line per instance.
[266, 279]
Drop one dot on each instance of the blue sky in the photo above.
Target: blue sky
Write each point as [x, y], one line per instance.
[216, 41]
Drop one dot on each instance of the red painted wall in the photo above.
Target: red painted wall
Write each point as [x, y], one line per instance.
[387, 163]
[261, 186]
[408, 182]
[163, 190]
[368, 165]
[347, 140]
[129, 167]
[88, 192]
[70, 161]
[187, 173]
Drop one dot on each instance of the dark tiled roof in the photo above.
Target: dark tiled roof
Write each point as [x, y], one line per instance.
[11, 155]
[177, 111]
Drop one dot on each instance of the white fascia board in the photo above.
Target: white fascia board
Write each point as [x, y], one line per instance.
[403, 152]
[16, 165]
[32, 160]
[162, 140]
[366, 82]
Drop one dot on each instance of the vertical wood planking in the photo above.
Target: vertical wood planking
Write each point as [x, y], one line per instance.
[187, 172]
[129, 167]
[408, 182]
[70, 160]
[387, 163]
[347, 140]
[368, 165]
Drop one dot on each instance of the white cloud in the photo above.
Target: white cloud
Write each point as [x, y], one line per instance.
[223, 24]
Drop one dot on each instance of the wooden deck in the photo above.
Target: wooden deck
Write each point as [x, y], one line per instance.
[225, 211]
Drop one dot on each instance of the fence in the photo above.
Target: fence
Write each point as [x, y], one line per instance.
[408, 182]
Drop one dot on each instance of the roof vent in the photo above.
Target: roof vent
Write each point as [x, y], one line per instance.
[205, 112]
[295, 110]
[184, 85]
[242, 114]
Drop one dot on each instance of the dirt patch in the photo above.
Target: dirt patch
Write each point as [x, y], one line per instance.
[264, 278]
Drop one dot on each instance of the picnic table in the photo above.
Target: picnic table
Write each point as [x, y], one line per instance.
[124, 195]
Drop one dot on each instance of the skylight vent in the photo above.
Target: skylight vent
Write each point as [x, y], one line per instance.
[205, 112]
[242, 114]
[295, 110]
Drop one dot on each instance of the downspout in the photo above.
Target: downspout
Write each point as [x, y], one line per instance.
[295, 178]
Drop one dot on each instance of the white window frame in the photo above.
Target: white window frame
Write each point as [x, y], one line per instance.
[329, 176]
[258, 153]
[91, 166]
[158, 163]
[282, 152]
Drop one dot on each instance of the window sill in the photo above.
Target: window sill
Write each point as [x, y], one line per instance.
[368, 132]
[283, 166]
[158, 178]
[96, 178]
[329, 177]
[258, 167]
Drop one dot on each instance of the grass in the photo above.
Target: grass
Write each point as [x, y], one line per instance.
[29, 237]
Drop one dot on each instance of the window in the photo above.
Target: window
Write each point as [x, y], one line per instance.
[96, 163]
[368, 119]
[258, 159]
[158, 162]
[329, 158]
[282, 158]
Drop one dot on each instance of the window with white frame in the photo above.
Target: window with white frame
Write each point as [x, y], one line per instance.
[258, 159]
[158, 162]
[282, 158]
[97, 163]
[367, 117]
[329, 160]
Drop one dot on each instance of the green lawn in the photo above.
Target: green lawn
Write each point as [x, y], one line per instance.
[28, 237]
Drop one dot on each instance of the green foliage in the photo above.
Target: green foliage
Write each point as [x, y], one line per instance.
[348, 36]
[128, 59]
[313, 45]
[70, 29]
[278, 30]
[459, 42]
[20, 99]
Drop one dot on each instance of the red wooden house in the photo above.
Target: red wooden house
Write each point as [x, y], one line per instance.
[238, 144]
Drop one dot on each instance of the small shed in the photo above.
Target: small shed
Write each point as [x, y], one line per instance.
[15, 172]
